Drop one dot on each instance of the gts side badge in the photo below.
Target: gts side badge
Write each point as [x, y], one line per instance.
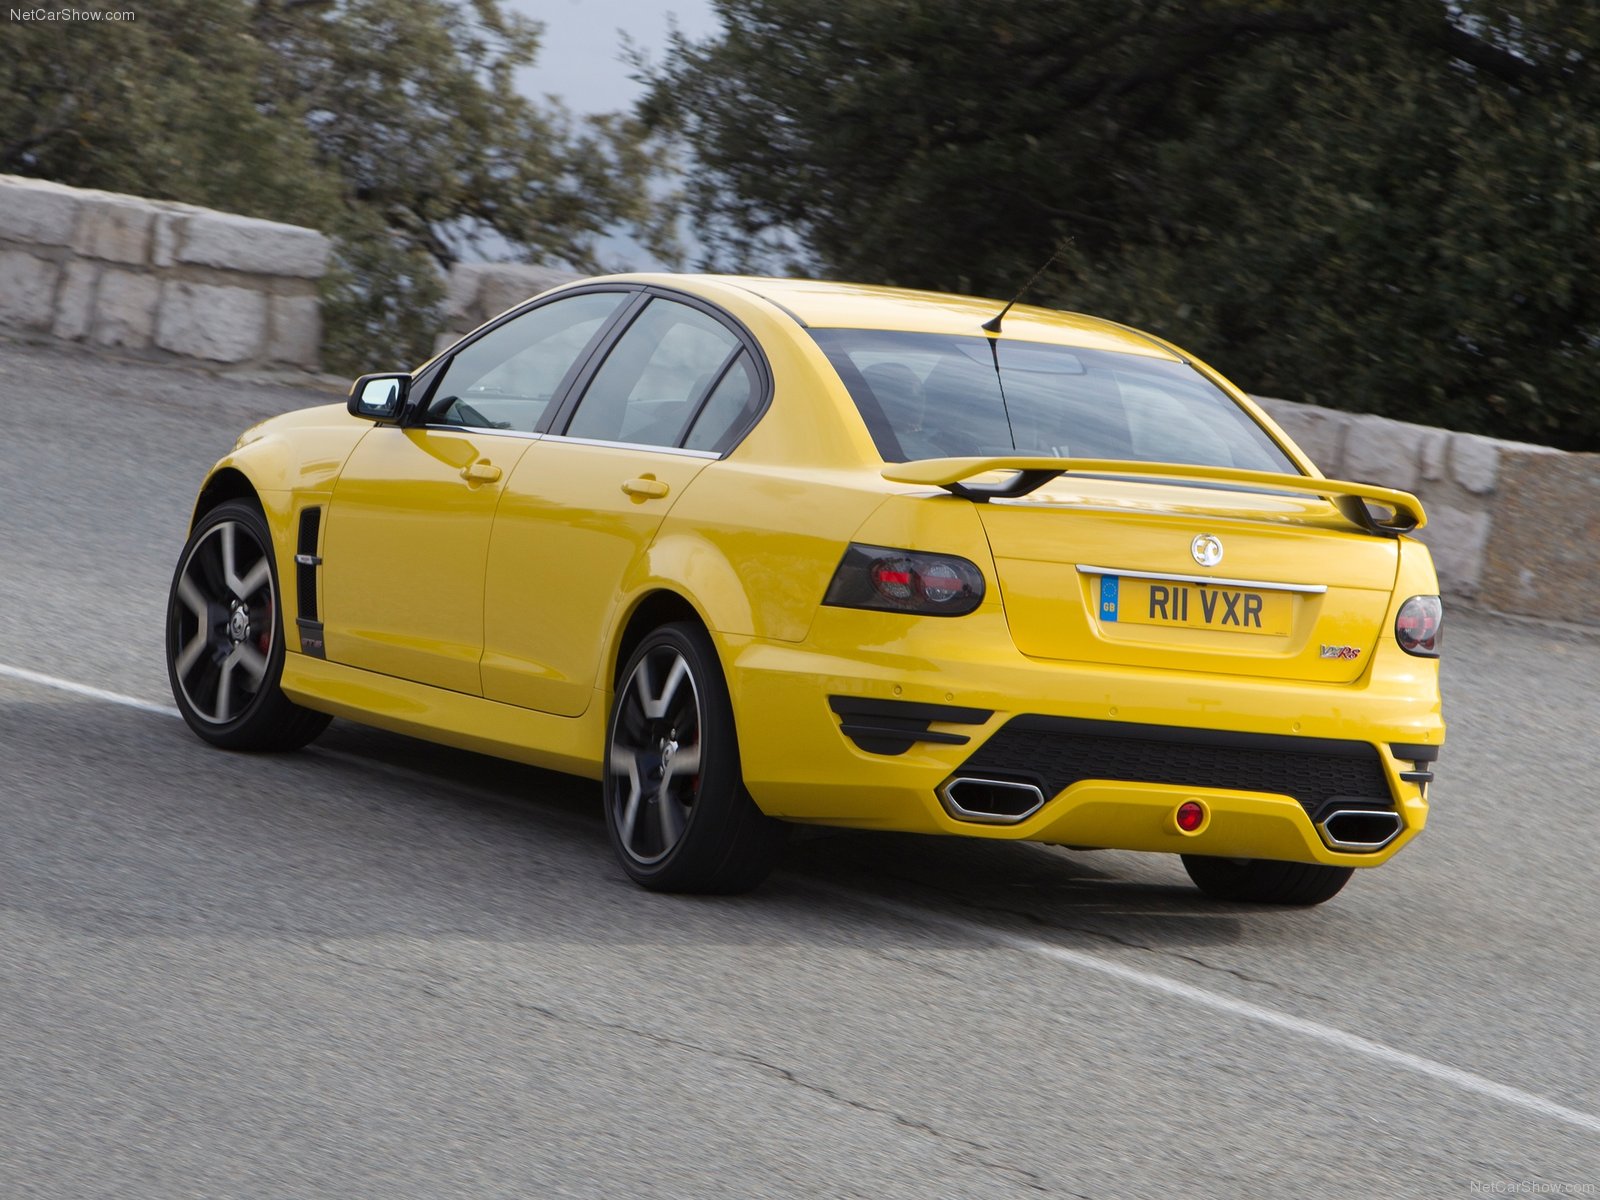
[1341, 652]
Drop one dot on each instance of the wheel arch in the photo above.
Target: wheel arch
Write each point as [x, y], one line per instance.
[300, 452]
[230, 481]
[651, 610]
[223, 484]
[683, 576]
[261, 474]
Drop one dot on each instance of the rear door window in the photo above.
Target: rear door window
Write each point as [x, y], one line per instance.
[729, 409]
[652, 381]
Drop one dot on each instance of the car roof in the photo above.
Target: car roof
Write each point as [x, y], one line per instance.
[821, 304]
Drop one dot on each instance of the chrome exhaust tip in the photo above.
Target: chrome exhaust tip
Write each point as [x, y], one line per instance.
[1359, 830]
[990, 801]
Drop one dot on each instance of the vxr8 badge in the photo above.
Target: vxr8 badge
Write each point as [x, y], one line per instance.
[1346, 652]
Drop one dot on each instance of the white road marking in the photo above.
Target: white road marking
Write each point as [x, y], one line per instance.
[1216, 1001]
[1219, 1002]
[83, 689]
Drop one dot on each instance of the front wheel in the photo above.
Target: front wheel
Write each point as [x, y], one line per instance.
[1261, 881]
[677, 811]
[225, 637]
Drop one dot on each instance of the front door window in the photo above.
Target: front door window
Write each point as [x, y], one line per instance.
[508, 377]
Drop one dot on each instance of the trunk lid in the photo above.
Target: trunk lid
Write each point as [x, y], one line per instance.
[1216, 578]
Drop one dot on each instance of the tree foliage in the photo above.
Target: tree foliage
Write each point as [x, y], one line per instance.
[392, 124]
[1382, 207]
[166, 105]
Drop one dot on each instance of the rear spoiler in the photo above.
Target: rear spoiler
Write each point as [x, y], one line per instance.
[1354, 500]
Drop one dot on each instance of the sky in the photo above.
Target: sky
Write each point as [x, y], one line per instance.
[580, 63]
[579, 59]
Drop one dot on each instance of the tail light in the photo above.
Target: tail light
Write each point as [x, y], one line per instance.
[1419, 626]
[938, 585]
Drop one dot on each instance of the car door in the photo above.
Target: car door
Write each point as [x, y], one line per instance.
[583, 504]
[409, 522]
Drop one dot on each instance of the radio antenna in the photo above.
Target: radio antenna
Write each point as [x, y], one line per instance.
[992, 325]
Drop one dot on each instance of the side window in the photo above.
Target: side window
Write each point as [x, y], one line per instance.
[648, 387]
[728, 410]
[507, 378]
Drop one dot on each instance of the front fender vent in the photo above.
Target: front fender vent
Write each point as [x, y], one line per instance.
[306, 562]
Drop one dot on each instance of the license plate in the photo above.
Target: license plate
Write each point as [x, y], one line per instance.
[1194, 606]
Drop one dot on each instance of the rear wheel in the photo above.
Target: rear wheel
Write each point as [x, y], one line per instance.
[677, 811]
[1262, 881]
[225, 637]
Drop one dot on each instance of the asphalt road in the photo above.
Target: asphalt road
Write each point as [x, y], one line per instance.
[380, 969]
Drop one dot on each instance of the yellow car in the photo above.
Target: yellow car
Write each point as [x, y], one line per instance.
[756, 552]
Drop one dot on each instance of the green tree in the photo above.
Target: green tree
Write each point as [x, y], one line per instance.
[168, 105]
[1386, 207]
[392, 124]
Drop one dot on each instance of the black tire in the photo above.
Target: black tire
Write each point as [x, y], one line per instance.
[672, 832]
[1262, 881]
[225, 637]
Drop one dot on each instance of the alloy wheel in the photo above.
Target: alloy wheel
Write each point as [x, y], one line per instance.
[654, 756]
[224, 622]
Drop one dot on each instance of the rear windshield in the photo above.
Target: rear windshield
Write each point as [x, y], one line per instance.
[929, 395]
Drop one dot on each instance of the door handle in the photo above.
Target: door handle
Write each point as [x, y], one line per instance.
[482, 471]
[646, 487]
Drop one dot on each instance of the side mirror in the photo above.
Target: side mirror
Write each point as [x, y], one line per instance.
[380, 398]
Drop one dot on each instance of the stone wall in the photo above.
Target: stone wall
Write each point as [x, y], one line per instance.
[158, 279]
[1512, 526]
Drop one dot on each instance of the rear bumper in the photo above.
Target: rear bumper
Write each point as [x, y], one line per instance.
[818, 743]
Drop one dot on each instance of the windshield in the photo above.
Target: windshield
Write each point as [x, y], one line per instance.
[929, 395]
